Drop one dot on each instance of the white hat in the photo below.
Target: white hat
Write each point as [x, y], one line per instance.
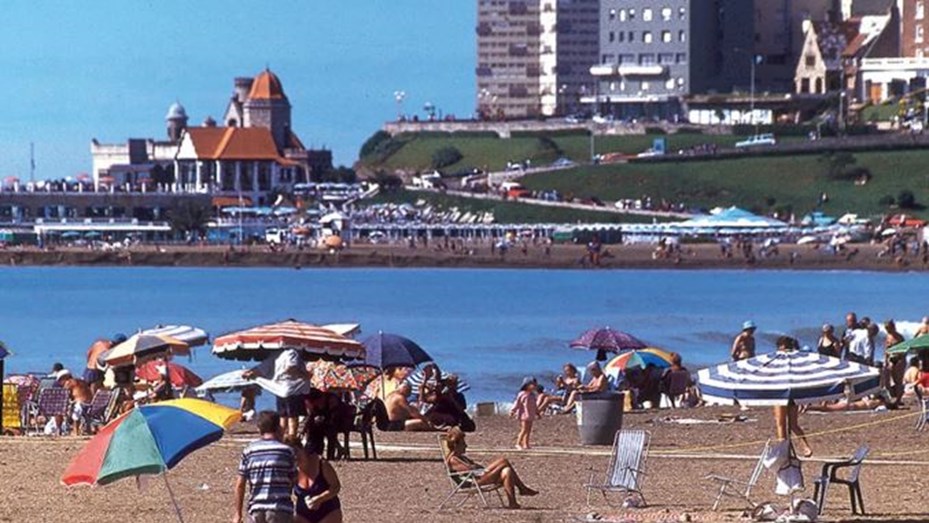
[61, 374]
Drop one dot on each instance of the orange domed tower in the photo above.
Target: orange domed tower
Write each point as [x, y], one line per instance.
[267, 106]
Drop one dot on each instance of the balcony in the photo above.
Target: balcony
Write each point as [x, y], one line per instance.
[641, 70]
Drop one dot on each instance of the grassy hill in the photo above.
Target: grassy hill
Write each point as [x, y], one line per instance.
[762, 184]
[506, 212]
[487, 151]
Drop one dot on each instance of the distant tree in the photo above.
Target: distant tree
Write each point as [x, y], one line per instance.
[189, 218]
[340, 174]
[445, 156]
[887, 200]
[837, 162]
[388, 182]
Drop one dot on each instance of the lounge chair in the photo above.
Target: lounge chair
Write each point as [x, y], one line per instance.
[829, 475]
[99, 407]
[52, 402]
[627, 465]
[464, 483]
[737, 488]
[364, 425]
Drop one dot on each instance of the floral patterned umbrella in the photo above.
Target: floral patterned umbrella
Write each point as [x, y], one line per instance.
[327, 375]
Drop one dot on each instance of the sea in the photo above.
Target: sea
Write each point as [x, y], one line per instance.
[492, 327]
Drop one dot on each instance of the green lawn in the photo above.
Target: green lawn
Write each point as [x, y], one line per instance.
[759, 184]
[507, 212]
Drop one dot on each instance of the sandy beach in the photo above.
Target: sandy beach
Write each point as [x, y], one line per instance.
[698, 256]
[408, 482]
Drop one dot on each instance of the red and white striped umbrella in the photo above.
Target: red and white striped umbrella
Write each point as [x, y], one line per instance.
[258, 343]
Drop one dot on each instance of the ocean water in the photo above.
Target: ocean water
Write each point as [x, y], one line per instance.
[490, 326]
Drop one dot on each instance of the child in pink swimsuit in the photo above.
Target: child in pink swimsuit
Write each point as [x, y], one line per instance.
[526, 410]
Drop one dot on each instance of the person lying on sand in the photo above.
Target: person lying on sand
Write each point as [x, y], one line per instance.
[844, 405]
[499, 472]
[401, 415]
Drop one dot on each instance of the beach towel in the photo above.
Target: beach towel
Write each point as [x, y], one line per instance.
[11, 406]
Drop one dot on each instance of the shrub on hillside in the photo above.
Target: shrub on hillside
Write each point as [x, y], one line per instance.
[689, 130]
[906, 199]
[655, 130]
[445, 156]
[887, 200]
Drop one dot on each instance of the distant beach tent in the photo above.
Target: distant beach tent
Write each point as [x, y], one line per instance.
[731, 218]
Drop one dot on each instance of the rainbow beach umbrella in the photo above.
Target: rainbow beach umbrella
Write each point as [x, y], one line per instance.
[149, 440]
[638, 358]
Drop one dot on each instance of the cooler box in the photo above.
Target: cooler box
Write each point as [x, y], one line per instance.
[599, 416]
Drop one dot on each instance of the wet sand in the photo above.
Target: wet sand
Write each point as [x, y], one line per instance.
[701, 256]
[408, 482]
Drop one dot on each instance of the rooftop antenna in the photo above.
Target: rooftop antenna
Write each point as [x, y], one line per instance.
[31, 162]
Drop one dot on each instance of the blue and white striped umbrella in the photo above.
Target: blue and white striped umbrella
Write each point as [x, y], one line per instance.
[192, 336]
[416, 379]
[778, 377]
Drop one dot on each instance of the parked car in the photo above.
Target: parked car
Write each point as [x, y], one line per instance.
[757, 140]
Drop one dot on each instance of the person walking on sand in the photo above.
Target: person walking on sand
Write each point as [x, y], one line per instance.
[268, 467]
[526, 410]
[743, 346]
[786, 417]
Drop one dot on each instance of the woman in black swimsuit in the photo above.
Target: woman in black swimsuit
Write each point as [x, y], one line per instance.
[317, 490]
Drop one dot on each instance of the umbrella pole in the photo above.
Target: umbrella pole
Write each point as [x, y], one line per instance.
[177, 509]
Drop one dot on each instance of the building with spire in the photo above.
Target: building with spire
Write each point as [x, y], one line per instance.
[254, 153]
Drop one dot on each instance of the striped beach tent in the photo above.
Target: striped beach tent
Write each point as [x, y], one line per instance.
[779, 377]
[258, 343]
[192, 336]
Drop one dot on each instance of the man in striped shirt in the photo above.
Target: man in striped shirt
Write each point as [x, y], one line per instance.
[268, 467]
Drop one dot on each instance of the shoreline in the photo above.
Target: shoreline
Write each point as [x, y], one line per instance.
[863, 257]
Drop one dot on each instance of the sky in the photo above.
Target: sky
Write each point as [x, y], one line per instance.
[109, 69]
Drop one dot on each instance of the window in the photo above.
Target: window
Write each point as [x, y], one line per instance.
[920, 10]
[666, 36]
[669, 83]
[919, 34]
[632, 14]
[680, 58]
[644, 86]
[810, 60]
[622, 15]
[621, 36]
[612, 37]
[647, 15]
[631, 36]
[612, 14]
[647, 37]
[646, 59]
[666, 58]
[681, 36]
[666, 14]
[682, 13]
[627, 58]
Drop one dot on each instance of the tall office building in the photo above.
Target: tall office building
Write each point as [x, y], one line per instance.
[534, 55]
[654, 53]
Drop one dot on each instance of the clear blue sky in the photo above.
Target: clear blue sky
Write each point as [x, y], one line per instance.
[110, 69]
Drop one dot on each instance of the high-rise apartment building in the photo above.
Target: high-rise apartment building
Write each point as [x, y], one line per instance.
[655, 52]
[534, 55]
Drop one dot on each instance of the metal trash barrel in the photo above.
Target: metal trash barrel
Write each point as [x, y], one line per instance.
[599, 416]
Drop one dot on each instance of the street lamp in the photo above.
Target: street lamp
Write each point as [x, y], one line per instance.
[560, 102]
[399, 96]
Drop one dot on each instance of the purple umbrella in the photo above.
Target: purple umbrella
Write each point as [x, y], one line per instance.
[607, 340]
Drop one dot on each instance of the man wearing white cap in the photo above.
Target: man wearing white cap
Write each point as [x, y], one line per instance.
[743, 347]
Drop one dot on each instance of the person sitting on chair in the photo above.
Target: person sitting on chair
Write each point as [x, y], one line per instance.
[499, 472]
[401, 415]
[598, 383]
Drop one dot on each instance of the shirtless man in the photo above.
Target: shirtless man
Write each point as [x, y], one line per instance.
[401, 415]
[80, 400]
[743, 346]
[923, 327]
